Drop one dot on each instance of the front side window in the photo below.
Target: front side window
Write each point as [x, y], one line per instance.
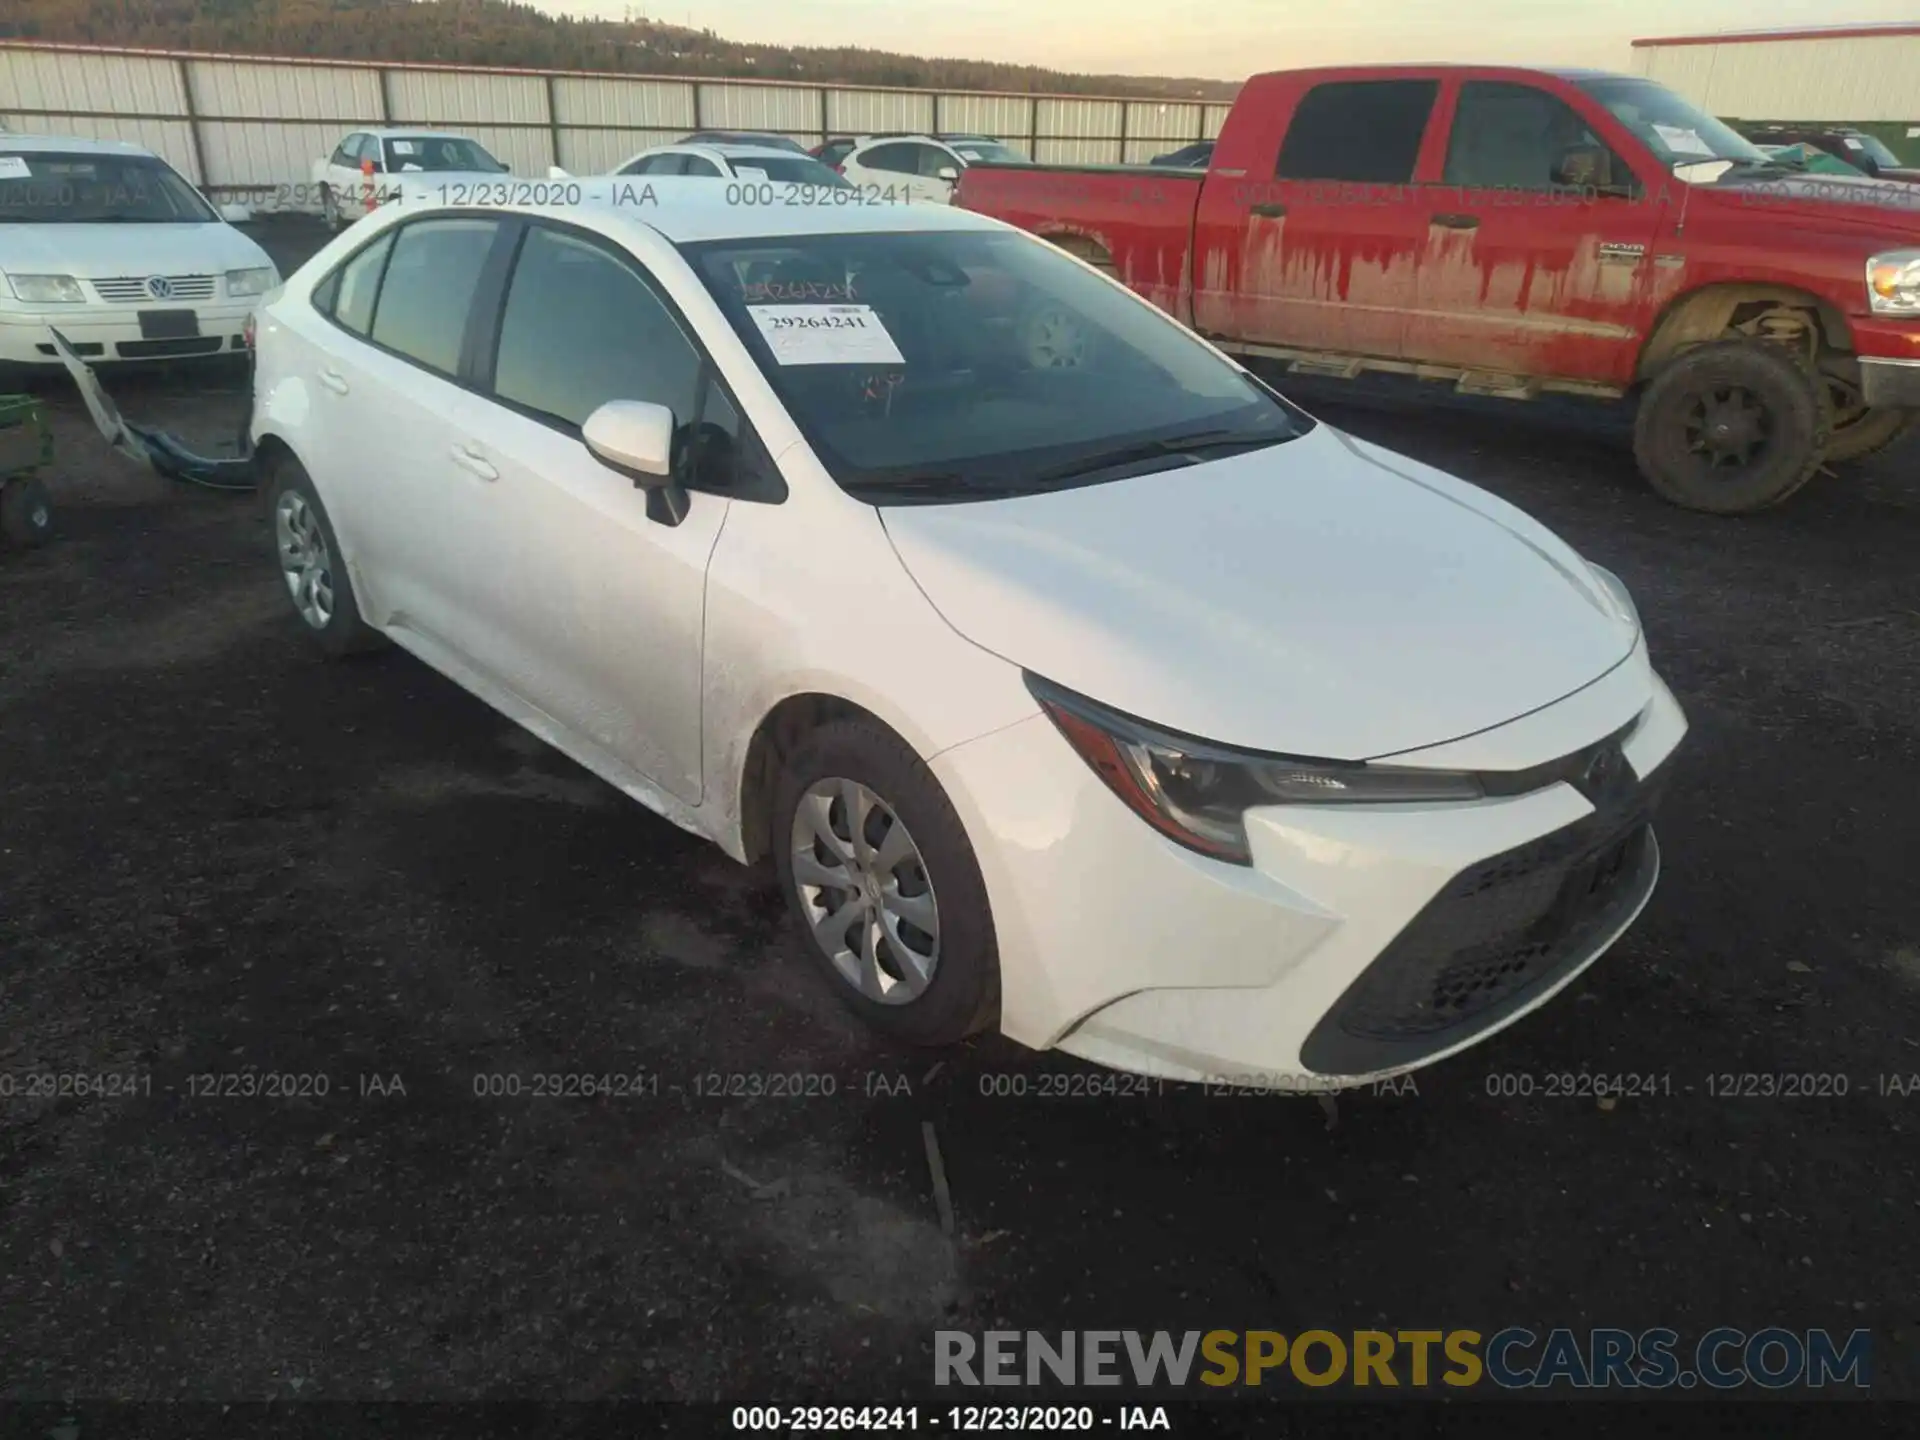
[654, 165]
[1365, 131]
[1515, 137]
[581, 328]
[897, 159]
[428, 289]
[933, 160]
[409, 153]
[59, 187]
[699, 165]
[957, 365]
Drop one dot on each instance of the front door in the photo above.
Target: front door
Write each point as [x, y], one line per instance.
[1320, 254]
[1539, 243]
[599, 609]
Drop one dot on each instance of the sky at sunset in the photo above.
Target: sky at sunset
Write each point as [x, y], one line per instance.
[1238, 37]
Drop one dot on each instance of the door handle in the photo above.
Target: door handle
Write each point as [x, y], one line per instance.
[478, 464]
[334, 381]
[1271, 209]
[1457, 222]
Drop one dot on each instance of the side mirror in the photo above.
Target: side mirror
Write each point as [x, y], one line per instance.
[634, 437]
[948, 174]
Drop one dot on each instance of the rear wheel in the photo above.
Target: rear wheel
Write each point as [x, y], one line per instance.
[315, 576]
[881, 882]
[329, 208]
[1732, 427]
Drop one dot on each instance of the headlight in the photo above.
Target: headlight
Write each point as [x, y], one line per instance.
[47, 289]
[1198, 794]
[1893, 283]
[252, 282]
[1616, 591]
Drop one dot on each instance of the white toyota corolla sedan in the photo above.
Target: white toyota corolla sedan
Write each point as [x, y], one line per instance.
[1074, 682]
[116, 248]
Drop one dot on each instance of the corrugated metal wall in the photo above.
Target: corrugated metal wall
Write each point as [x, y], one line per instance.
[255, 126]
[1851, 78]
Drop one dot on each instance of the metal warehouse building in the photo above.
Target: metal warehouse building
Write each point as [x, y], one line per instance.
[1864, 75]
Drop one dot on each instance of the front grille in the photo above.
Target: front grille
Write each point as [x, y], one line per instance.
[134, 289]
[1495, 935]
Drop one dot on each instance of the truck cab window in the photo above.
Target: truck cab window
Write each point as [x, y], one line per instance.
[1367, 131]
[1515, 137]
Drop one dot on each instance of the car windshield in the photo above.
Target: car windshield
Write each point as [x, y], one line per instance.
[951, 365]
[789, 170]
[988, 150]
[408, 153]
[56, 187]
[1677, 131]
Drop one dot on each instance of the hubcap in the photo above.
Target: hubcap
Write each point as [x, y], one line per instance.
[863, 886]
[305, 563]
[1728, 428]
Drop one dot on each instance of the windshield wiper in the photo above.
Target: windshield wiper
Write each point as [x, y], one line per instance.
[1198, 445]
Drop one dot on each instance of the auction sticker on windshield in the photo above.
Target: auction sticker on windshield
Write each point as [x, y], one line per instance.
[826, 335]
[12, 167]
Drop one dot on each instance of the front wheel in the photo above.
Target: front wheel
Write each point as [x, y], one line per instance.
[881, 882]
[1732, 427]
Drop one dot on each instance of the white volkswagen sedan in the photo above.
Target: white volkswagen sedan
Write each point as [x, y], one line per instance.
[114, 246]
[1072, 680]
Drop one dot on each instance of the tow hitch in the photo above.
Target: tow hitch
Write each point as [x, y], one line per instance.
[158, 450]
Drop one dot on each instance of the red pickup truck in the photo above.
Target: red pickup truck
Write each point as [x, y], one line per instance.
[1520, 231]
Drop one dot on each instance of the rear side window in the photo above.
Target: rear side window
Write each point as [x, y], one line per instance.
[1366, 130]
[430, 281]
[581, 328]
[348, 294]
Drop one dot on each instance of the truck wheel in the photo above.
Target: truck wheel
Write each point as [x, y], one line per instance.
[1869, 433]
[1732, 427]
[26, 513]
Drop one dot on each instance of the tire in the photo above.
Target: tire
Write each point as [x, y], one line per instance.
[26, 513]
[1874, 431]
[958, 994]
[329, 210]
[1780, 417]
[329, 616]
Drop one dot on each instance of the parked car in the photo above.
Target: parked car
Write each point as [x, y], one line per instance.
[731, 162]
[1809, 159]
[118, 249]
[967, 146]
[630, 476]
[927, 168]
[1864, 151]
[1192, 157]
[766, 140]
[1520, 231]
[345, 190]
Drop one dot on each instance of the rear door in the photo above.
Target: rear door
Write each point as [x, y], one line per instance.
[1318, 252]
[1538, 256]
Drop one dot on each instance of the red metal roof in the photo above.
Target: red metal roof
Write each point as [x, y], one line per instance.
[1760, 37]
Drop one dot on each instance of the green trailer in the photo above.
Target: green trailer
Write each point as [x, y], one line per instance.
[26, 448]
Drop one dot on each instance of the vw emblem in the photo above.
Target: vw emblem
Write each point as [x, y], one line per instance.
[160, 287]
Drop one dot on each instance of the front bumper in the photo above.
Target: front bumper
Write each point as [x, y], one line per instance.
[100, 332]
[1890, 384]
[1362, 942]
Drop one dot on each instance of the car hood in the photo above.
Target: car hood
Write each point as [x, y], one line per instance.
[1323, 598]
[101, 251]
[1886, 205]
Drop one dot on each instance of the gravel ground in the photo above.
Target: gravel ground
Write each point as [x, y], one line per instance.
[220, 854]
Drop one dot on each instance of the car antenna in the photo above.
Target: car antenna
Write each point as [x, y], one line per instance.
[1680, 228]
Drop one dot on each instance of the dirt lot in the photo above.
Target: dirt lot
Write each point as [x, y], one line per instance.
[220, 854]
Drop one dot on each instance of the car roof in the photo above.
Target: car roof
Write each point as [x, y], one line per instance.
[71, 144]
[745, 152]
[409, 133]
[687, 210]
